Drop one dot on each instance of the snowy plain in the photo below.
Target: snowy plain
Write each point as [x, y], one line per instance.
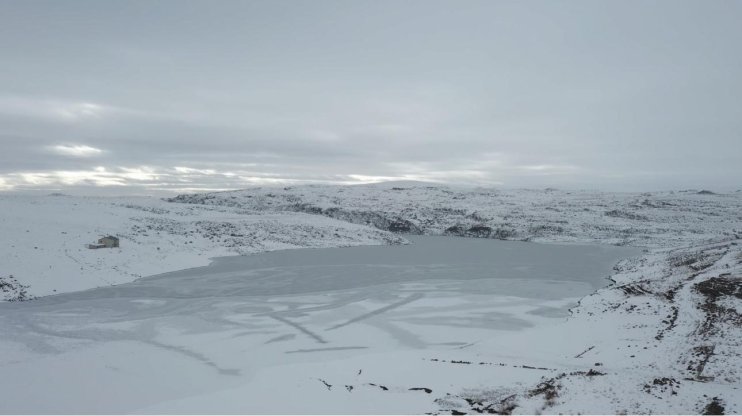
[663, 338]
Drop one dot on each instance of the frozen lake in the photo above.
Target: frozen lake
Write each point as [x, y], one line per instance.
[183, 341]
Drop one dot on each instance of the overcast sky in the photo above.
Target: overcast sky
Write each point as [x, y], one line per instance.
[152, 96]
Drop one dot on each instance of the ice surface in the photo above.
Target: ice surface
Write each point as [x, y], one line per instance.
[280, 318]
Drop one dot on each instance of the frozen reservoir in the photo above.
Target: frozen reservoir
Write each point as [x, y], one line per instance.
[243, 324]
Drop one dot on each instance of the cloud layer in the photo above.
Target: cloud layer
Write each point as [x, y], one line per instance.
[169, 96]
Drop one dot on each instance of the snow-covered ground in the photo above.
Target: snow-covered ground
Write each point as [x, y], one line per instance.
[44, 238]
[665, 338]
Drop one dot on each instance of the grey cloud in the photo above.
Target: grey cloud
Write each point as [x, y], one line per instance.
[577, 94]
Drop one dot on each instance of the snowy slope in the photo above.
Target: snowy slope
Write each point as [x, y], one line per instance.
[44, 238]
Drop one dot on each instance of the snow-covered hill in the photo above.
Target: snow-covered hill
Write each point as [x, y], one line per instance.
[659, 219]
